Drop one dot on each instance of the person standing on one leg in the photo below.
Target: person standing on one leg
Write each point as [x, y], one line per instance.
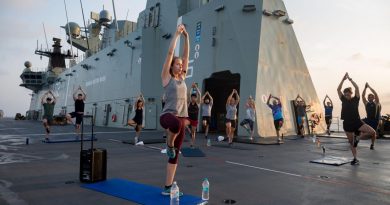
[136, 122]
[328, 113]
[373, 110]
[353, 126]
[48, 102]
[277, 114]
[249, 120]
[79, 97]
[300, 105]
[193, 112]
[207, 105]
[174, 116]
[231, 115]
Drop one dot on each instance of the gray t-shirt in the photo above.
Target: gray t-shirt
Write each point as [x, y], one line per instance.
[250, 114]
[206, 109]
[231, 112]
[176, 98]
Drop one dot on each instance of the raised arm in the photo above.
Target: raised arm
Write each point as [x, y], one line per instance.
[75, 94]
[83, 92]
[211, 98]
[339, 92]
[203, 97]
[186, 52]
[238, 96]
[269, 99]
[374, 92]
[324, 102]
[165, 75]
[364, 94]
[330, 100]
[199, 95]
[54, 97]
[43, 98]
[357, 92]
[229, 98]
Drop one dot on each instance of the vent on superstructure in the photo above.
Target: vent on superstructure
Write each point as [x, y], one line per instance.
[288, 21]
[267, 12]
[219, 8]
[167, 36]
[249, 8]
[279, 13]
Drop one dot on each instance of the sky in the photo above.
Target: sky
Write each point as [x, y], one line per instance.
[336, 36]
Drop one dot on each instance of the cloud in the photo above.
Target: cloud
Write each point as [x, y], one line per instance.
[356, 56]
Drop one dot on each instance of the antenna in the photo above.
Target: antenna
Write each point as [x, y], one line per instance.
[44, 30]
[116, 22]
[85, 27]
[127, 14]
[69, 34]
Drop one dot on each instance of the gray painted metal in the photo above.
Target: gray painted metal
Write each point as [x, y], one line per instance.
[262, 49]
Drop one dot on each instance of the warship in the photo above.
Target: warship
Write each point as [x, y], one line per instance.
[249, 46]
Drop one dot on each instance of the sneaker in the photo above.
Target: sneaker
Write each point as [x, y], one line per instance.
[135, 140]
[167, 192]
[355, 140]
[355, 162]
[279, 140]
[47, 139]
[171, 152]
[372, 147]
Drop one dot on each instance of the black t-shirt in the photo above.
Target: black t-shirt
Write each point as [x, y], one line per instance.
[79, 105]
[193, 111]
[350, 109]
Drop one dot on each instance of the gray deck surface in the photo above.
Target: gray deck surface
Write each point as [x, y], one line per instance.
[47, 174]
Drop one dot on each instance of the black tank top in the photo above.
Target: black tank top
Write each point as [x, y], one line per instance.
[79, 105]
[193, 111]
[372, 110]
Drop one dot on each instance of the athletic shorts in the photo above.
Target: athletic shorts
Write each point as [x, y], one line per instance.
[49, 119]
[300, 120]
[79, 117]
[353, 126]
[233, 123]
[138, 121]
[372, 123]
[176, 125]
[193, 123]
[247, 121]
[278, 124]
[328, 119]
[207, 119]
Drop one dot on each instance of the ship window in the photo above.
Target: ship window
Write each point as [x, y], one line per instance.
[156, 22]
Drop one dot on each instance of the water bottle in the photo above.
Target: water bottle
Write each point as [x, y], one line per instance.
[205, 189]
[208, 142]
[175, 194]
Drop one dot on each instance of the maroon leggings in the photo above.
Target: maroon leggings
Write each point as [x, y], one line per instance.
[177, 126]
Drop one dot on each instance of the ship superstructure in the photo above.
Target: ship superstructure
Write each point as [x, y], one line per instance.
[245, 45]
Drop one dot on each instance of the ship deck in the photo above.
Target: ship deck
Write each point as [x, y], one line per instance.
[47, 174]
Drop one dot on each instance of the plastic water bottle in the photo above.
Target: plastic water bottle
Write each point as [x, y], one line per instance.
[208, 142]
[175, 194]
[205, 189]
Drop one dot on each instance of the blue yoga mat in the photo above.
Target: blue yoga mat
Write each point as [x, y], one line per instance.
[67, 140]
[138, 193]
